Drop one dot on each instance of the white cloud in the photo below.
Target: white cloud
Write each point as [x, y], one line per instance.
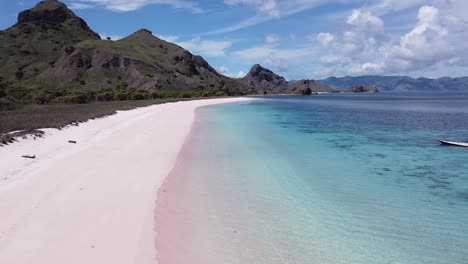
[209, 48]
[277, 64]
[277, 59]
[172, 39]
[78, 6]
[366, 68]
[383, 7]
[330, 60]
[324, 38]
[437, 40]
[132, 5]
[112, 36]
[265, 51]
[272, 38]
[274, 11]
[225, 71]
[268, 7]
[241, 74]
[363, 20]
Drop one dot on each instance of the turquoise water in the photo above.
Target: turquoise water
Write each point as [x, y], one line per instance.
[321, 179]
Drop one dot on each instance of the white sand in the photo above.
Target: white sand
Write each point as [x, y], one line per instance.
[92, 202]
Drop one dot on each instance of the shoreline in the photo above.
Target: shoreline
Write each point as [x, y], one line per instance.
[93, 201]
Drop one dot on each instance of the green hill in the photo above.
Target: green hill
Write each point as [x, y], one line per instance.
[37, 40]
[52, 51]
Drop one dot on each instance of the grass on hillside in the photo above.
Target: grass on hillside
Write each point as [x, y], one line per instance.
[33, 116]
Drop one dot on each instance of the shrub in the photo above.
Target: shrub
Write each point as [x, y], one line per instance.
[58, 92]
[7, 103]
[140, 95]
[122, 85]
[17, 92]
[105, 96]
[167, 94]
[220, 93]
[207, 93]
[122, 95]
[185, 94]
[77, 98]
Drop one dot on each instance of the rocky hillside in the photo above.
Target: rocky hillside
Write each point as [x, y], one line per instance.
[37, 40]
[308, 87]
[260, 80]
[51, 47]
[399, 83]
[140, 60]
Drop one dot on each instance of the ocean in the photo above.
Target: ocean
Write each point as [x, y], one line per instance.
[337, 178]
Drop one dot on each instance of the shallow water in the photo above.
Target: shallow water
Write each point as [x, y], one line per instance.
[321, 179]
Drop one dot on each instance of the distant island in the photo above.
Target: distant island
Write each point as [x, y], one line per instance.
[398, 83]
[361, 89]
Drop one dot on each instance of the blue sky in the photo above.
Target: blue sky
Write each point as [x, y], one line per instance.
[296, 38]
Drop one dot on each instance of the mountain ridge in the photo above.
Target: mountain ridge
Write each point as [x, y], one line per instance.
[51, 47]
[399, 83]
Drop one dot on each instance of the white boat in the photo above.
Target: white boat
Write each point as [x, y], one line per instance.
[454, 143]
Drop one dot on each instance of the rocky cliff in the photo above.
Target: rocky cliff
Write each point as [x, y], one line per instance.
[307, 87]
[260, 80]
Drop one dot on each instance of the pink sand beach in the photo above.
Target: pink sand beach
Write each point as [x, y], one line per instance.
[94, 201]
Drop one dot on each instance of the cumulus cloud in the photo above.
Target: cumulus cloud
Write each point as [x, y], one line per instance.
[436, 40]
[225, 71]
[382, 7]
[364, 20]
[324, 38]
[209, 48]
[132, 5]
